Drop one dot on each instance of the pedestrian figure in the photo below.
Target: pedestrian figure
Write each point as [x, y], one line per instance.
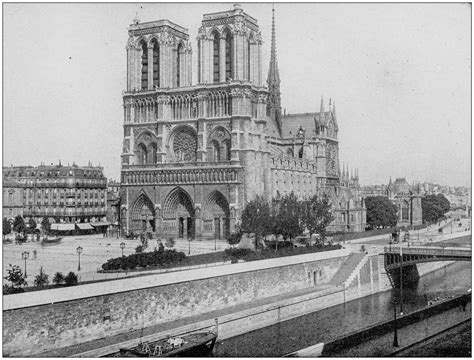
[34, 254]
[463, 303]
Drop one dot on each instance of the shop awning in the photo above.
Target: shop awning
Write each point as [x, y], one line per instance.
[103, 223]
[62, 227]
[84, 226]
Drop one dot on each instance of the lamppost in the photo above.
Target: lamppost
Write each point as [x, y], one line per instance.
[122, 246]
[401, 279]
[79, 251]
[25, 255]
[395, 334]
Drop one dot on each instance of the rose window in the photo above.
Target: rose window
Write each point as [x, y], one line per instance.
[184, 146]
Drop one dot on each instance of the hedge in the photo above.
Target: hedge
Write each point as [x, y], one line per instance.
[155, 258]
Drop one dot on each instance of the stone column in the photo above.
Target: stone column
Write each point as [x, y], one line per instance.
[128, 48]
[163, 64]
[259, 64]
[222, 59]
[252, 71]
[150, 67]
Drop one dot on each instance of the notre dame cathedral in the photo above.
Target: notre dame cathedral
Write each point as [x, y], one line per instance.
[195, 154]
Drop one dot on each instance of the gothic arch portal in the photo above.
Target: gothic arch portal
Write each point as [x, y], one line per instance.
[143, 214]
[216, 215]
[178, 214]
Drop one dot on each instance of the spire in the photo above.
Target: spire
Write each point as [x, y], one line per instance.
[273, 81]
[321, 108]
[273, 74]
[330, 105]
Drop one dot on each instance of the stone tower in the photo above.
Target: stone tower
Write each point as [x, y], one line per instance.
[193, 155]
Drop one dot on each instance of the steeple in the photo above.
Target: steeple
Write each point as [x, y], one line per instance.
[273, 74]
[273, 81]
[321, 109]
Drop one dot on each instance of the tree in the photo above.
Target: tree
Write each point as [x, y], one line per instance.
[316, 215]
[170, 243]
[16, 279]
[31, 225]
[287, 214]
[70, 279]
[19, 224]
[7, 228]
[58, 278]
[256, 218]
[46, 225]
[434, 207]
[380, 212]
[41, 279]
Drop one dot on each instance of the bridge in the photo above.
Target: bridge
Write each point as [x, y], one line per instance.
[406, 257]
[417, 253]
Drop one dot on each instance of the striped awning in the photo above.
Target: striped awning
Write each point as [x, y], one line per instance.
[62, 227]
[84, 226]
[103, 223]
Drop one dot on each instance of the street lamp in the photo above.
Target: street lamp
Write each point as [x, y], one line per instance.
[25, 255]
[79, 251]
[395, 334]
[122, 246]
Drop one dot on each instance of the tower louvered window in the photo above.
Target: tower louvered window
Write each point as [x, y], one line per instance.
[156, 64]
[144, 67]
[215, 64]
[178, 65]
[228, 56]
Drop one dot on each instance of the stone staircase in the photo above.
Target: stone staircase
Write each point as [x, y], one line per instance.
[347, 269]
[355, 272]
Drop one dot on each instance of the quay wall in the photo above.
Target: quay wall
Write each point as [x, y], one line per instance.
[37, 322]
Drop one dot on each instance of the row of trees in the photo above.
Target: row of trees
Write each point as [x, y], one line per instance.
[287, 216]
[17, 280]
[22, 228]
[381, 212]
[434, 207]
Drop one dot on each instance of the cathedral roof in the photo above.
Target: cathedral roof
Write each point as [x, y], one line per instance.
[291, 123]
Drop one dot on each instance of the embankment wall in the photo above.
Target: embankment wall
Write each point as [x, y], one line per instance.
[36, 322]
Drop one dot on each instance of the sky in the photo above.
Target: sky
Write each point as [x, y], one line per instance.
[400, 74]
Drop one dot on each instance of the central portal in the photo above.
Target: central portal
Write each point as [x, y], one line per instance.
[178, 214]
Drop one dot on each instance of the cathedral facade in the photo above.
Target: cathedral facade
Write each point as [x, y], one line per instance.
[195, 154]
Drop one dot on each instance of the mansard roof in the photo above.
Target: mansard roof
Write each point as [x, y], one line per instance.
[53, 171]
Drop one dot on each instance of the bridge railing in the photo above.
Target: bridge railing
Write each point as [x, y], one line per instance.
[431, 251]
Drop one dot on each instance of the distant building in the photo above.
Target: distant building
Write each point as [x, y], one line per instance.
[113, 203]
[64, 194]
[12, 199]
[406, 198]
[348, 205]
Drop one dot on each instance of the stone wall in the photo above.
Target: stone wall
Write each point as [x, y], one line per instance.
[46, 325]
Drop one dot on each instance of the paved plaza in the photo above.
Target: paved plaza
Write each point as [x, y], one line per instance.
[96, 250]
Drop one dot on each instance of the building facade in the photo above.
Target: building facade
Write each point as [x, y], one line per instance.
[194, 155]
[63, 194]
[12, 199]
[407, 201]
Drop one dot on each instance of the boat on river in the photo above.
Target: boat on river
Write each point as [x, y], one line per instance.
[198, 344]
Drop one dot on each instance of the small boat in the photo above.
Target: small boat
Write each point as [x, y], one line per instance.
[193, 345]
